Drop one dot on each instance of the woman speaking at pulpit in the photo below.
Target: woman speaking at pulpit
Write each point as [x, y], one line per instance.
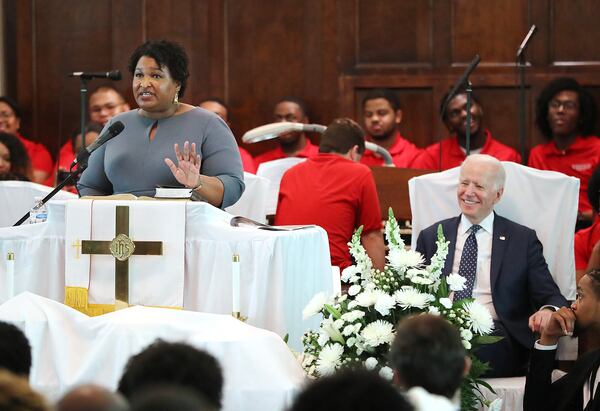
[165, 142]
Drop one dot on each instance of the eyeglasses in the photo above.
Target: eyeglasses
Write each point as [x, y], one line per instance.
[6, 114]
[566, 105]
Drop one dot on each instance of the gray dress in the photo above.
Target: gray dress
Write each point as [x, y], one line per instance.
[132, 163]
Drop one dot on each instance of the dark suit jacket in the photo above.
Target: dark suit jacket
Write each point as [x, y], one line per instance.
[520, 280]
[566, 394]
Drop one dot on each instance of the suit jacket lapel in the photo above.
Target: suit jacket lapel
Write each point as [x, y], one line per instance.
[500, 239]
[450, 228]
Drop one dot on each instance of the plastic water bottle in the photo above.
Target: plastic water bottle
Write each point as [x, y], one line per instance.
[39, 212]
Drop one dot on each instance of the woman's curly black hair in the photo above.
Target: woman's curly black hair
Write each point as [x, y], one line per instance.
[20, 165]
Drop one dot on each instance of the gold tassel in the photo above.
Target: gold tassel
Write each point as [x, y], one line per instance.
[76, 297]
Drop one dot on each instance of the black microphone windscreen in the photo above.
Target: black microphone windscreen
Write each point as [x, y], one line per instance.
[116, 127]
[114, 75]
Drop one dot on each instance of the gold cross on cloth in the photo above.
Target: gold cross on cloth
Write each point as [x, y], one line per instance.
[121, 248]
[77, 246]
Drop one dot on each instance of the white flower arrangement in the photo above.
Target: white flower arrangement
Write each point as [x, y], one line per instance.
[358, 328]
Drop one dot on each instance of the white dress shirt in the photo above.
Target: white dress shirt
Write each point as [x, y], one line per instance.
[482, 290]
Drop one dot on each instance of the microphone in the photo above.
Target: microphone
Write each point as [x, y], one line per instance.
[112, 131]
[525, 42]
[274, 130]
[387, 157]
[87, 75]
[462, 80]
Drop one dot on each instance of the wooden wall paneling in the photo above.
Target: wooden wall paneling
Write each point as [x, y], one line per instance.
[492, 29]
[441, 30]
[394, 34]
[575, 32]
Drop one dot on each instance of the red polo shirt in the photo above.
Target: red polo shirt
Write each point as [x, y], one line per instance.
[247, 161]
[38, 155]
[453, 154]
[585, 240]
[308, 151]
[333, 192]
[403, 153]
[579, 160]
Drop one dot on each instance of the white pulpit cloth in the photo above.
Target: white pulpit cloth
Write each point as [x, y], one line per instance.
[280, 271]
[154, 280]
[70, 348]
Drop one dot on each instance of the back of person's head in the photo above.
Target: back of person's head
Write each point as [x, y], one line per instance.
[170, 398]
[341, 135]
[587, 106]
[593, 190]
[15, 351]
[351, 390]
[91, 398]
[173, 363]
[428, 352]
[17, 395]
[20, 163]
[384, 93]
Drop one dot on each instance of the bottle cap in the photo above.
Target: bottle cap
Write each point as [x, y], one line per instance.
[236, 258]
[10, 256]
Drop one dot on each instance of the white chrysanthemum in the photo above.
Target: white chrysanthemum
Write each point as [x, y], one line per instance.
[386, 373]
[466, 334]
[384, 303]
[366, 298]
[400, 258]
[377, 333]
[350, 341]
[481, 319]
[370, 363]
[433, 310]
[348, 330]
[329, 359]
[456, 282]
[466, 344]
[353, 315]
[349, 272]
[314, 306]
[446, 302]
[354, 289]
[409, 297]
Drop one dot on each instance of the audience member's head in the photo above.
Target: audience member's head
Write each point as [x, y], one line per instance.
[564, 109]
[343, 136]
[480, 186]
[587, 305]
[14, 159]
[217, 106]
[15, 351]
[454, 115]
[91, 398]
[10, 115]
[428, 352]
[382, 114]
[593, 190]
[350, 390]
[291, 109]
[173, 363]
[92, 131]
[17, 395]
[105, 103]
[170, 398]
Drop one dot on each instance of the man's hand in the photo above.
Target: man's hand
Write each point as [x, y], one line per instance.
[561, 323]
[538, 321]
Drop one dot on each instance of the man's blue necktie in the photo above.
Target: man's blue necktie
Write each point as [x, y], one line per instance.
[468, 264]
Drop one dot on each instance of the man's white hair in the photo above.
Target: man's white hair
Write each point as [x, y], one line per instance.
[499, 175]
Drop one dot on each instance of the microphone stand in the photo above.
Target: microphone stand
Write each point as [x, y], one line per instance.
[468, 91]
[83, 97]
[71, 177]
[521, 68]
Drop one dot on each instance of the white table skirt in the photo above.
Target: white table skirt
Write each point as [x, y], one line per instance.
[69, 349]
[280, 271]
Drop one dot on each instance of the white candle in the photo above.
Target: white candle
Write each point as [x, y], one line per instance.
[235, 283]
[10, 275]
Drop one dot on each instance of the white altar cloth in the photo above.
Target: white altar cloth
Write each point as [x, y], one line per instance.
[280, 271]
[70, 348]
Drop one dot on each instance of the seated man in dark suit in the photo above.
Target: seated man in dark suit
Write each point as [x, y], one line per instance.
[502, 262]
[578, 390]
